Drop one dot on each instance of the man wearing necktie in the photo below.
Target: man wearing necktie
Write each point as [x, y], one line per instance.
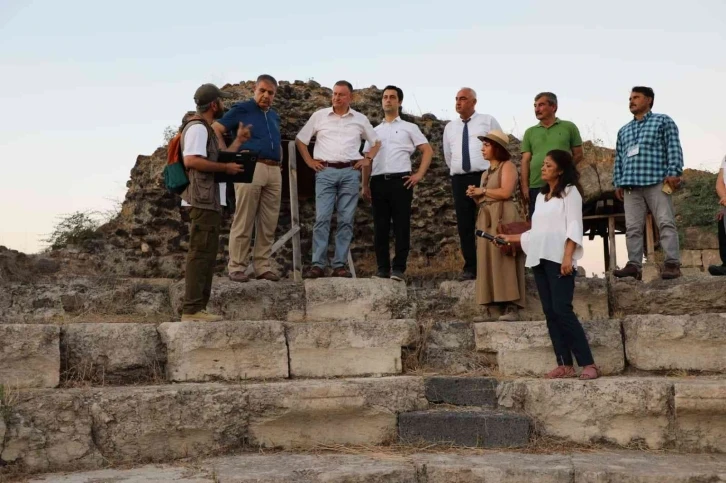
[462, 152]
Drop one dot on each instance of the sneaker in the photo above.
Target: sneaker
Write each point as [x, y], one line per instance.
[717, 270]
[341, 272]
[201, 316]
[511, 313]
[670, 271]
[238, 277]
[398, 276]
[381, 274]
[466, 276]
[314, 272]
[630, 270]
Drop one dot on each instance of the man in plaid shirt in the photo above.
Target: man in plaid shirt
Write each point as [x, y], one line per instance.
[648, 166]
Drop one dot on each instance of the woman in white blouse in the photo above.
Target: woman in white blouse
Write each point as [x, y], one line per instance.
[553, 246]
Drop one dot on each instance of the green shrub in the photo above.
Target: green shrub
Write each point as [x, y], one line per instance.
[74, 229]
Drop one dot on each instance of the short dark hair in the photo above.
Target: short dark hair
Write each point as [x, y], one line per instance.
[647, 92]
[570, 175]
[551, 97]
[346, 84]
[266, 78]
[399, 91]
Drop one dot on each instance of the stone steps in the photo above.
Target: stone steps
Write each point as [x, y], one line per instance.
[387, 467]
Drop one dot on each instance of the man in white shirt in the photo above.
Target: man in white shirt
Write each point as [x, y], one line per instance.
[462, 152]
[337, 163]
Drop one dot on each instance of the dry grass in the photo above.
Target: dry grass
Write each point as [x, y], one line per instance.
[447, 261]
[87, 374]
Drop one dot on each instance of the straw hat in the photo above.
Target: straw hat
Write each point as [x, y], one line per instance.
[497, 136]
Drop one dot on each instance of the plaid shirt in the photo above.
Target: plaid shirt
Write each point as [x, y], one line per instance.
[659, 152]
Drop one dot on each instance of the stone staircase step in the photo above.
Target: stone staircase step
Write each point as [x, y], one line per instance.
[48, 430]
[348, 348]
[467, 467]
[333, 299]
[29, 355]
[676, 342]
[462, 391]
[524, 348]
[683, 296]
[470, 428]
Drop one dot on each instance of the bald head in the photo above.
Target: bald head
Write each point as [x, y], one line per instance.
[465, 102]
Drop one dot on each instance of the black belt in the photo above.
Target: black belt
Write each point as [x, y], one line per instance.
[467, 174]
[392, 175]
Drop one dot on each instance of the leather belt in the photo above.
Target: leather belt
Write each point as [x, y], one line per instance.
[269, 162]
[338, 165]
[392, 175]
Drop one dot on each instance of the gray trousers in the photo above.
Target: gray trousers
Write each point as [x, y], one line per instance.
[637, 202]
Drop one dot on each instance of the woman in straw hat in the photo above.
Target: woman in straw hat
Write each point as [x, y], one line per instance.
[500, 277]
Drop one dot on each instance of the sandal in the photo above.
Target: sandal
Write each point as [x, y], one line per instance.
[590, 372]
[561, 372]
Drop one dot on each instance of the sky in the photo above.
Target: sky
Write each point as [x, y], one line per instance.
[87, 86]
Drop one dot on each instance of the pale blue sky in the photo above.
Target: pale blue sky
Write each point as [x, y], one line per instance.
[87, 86]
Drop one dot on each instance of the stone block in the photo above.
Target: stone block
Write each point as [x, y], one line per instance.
[348, 348]
[336, 299]
[146, 474]
[693, 272]
[676, 342]
[200, 351]
[525, 348]
[483, 429]
[112, 353]
[681, 296]
[29, 355]
[643, 467]
[462, 391]
[691, 258]
[313, 412]
[449, 347]
[710, 257]
[618, 410]
[253, 300]
[700, 409]
[651, 272]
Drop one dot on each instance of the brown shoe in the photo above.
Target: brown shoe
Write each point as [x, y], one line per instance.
[341, 272]
[268, 276]
[670, 271]
[314, 272]
[238, 277]
[630, 270]
[561, 372]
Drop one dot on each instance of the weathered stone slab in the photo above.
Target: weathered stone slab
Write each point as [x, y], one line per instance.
[449, 347]
[348, 348]
[484, 428]
[619, 410]
[336, 299]
[352, 411]
[691, 258]
[682, 296]
[200, 351]
[700, 408]
[525, 348]
[710, 257]
[253, 300]
[144, 474]
[641, 467]
[29, 355]
[462, 391]
[677, 342]
[112, 353]
[590, 301]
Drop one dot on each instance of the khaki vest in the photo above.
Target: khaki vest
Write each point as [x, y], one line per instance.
[202, 191]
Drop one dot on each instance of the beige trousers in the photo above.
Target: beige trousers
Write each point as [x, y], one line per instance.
[258, 206]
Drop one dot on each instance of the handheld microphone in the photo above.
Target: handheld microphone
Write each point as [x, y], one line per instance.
[487, 236]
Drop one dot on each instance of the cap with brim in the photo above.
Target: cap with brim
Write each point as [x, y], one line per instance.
[208, 93]
[499, 137]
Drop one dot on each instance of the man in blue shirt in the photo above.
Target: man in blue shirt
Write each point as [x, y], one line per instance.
[648, 167]
[258, 203]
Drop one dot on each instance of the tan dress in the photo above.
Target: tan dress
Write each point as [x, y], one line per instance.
[500, 278]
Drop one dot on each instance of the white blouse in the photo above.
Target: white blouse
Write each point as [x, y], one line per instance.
[554, 222]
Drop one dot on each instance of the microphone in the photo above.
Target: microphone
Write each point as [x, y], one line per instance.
[487, 236]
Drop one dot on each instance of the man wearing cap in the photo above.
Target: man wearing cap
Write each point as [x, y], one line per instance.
[462, 152]
[551, 133]
[337, 163]
[258, 202]
[200, 150]
[392, 182]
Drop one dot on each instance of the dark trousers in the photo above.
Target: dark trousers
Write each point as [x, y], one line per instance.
[202, 256]
[555, 293]
[533, 192]
[391, 203]
[722, 238]
[466, 211]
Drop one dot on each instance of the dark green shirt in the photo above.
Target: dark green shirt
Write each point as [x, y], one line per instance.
[540, 140]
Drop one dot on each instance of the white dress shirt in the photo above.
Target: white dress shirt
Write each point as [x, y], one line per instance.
[399, 140]
[479, 125]
[553, 223]
[337, 138]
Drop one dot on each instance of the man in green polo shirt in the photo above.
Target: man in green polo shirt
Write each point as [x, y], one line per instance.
[551, 133]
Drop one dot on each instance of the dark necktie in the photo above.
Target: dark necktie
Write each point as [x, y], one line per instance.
[465, 159]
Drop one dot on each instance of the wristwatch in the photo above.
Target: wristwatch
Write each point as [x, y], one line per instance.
[368, 158]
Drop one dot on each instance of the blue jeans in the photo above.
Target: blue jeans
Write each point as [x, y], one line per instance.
[334, 188]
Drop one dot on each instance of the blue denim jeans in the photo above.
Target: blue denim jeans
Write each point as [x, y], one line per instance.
[334, 188]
